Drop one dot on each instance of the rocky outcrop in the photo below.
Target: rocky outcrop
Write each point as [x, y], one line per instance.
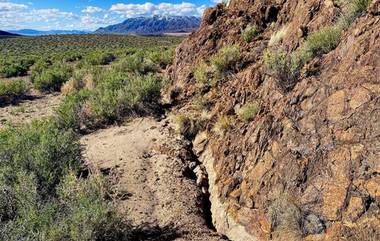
[307, 166]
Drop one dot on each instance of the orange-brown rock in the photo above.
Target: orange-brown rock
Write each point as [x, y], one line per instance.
[319, 142]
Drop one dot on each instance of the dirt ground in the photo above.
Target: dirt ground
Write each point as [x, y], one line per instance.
[36, 106]
[145, 156]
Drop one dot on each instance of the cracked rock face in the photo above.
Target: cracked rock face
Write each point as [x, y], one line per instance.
[314, 150]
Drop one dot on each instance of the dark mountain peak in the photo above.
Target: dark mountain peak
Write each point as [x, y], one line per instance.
[3, 33]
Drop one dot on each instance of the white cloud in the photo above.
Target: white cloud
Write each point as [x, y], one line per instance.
[148, 8]
[92, 9]
[16, 16]
[6, 6]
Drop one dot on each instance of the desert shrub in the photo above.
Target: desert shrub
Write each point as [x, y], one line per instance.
[87, 215]
[13, 70]
[52, 78]
[41, 197]
[70, 112]
[143, 88]
[277, 37]
[223, 123]
[79, 212]
[322, 41]
[100, 58]
[358, 6]
[72, 56]
[352, 9]
[248, 112]
[11, 90]
[119, 94]
[249, 33]
[161, 57]
[116, 95]
[202, 73]
[136, 63]
[202, 103]
[285, 67]
[41, 149]
[81, 79]
[225, 58]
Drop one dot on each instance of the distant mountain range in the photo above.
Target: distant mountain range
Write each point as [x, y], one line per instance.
[32, 32]
[155, 25]
[7, 34]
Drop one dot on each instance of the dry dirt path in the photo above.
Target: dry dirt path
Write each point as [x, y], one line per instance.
[148, 160]
[38, 106]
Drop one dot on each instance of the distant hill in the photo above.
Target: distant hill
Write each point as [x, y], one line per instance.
[7, 34]
[32, 32]
[155, 25]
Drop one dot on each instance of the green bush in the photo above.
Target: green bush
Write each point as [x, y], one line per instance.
[143, 89]
[13, 70]
[359, 6]
[249, 33]
[100, 58]
[41, 149]
[202, 103]
[70, 111]
[322, 41]
[51, 79]
[115, 96]
[224, 122]
[79, 212]
[11, 90]
[248, 112]
[136, 63]
[202, 73]
[225, 58]
[285, 67]
[41, 197]
[161, 57]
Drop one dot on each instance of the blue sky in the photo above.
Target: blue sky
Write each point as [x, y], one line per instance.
[89, 14]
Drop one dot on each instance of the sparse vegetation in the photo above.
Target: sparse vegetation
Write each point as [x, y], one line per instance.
[11, 90]
[202, 103]
[249, 33]
[202, 73]
[278, 36]
[41, 196]
[322, 41]
[225, 58]
[223, 123]
[219, 65]
[248, 112]
[52, 78]
[285, 67]
[115, 95]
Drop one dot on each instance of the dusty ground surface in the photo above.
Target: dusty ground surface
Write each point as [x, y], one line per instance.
[36, 106]
[150, 164]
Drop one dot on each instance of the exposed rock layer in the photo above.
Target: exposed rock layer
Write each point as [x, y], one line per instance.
[307, 166]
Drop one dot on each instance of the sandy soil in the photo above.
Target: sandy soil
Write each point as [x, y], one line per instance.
[37, 106]
[144, 154]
